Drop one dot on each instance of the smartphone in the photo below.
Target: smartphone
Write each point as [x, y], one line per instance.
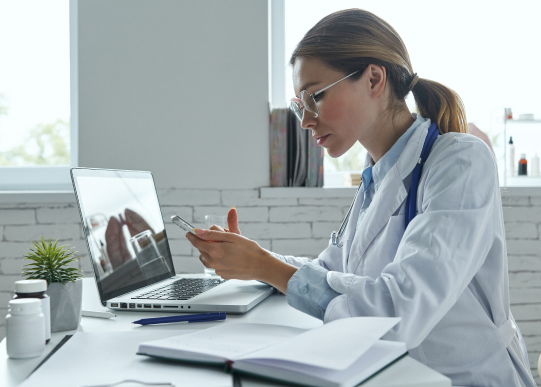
[183, 224]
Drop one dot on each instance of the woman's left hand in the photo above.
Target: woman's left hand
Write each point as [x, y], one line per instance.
[236, 257]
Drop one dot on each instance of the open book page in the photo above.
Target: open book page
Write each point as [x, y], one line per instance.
[227, 341]
[378, 356]
[335, 345]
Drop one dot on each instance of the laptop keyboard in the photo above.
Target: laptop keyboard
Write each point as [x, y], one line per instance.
[182, 289]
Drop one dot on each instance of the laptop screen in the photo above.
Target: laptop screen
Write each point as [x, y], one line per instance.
[124, 229]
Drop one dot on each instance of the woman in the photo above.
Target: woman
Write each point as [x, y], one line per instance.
[445, 272]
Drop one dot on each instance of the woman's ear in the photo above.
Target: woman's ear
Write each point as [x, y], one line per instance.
[378, 79]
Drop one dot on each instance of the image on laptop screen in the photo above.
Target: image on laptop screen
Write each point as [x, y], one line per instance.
[124, 229]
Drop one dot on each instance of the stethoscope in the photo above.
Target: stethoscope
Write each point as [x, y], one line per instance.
[411, 204]
[337, 236]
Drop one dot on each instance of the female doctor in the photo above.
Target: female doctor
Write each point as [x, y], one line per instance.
[445, 271]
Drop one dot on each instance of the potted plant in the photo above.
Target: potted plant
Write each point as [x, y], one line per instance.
[64, 284]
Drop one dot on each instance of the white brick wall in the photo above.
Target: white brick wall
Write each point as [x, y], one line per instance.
[297, 226]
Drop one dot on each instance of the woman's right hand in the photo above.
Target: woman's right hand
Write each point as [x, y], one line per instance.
[232, 223]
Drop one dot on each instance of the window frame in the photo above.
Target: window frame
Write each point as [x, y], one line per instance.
[277, 53]
[51, 177]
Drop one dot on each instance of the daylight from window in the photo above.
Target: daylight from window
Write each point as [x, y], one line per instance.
[485, 51]
[34, 83]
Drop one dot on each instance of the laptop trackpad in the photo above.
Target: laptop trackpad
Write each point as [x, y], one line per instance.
[232, 293]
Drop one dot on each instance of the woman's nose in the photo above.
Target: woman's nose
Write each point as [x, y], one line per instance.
[308, 122]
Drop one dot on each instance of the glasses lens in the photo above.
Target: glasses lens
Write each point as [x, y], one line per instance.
[309, 103]
[294, 106]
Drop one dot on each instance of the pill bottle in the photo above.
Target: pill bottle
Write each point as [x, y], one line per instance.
[25, 328]
[36, 289]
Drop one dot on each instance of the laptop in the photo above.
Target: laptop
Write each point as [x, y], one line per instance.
[129, 250]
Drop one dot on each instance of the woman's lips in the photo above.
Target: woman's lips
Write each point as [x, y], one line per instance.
[321, 139]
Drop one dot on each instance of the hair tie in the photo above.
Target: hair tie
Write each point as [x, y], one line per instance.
[413, 82]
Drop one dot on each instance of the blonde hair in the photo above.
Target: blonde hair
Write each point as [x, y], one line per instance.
[351, 39]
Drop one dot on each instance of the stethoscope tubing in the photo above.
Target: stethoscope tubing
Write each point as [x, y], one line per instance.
[411, 202]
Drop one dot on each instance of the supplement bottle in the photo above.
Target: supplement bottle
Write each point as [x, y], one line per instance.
[36, 289]
[25, 328]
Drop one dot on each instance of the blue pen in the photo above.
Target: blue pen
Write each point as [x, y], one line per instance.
[191, 318]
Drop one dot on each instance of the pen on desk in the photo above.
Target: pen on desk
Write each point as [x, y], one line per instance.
[91, 313]
[191, 318]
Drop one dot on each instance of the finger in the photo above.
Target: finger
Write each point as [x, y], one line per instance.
[203, 258]
[216, 228]
[213, 235]
[233, 221]
[198, 243]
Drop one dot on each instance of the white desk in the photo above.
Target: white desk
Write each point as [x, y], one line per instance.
[274, 310]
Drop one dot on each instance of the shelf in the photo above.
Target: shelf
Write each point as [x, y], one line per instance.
[528, 144]
[523, 181]
[522, 121]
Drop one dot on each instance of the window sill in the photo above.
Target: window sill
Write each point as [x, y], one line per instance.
[37, 197]
[349, 192]
[305, 192]
[67, 196]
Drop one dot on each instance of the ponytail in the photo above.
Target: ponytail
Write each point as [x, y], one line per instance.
[441, 104]
[351, 39]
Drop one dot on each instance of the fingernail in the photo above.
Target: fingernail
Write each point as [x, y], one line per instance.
[199, 231]
[233, 208]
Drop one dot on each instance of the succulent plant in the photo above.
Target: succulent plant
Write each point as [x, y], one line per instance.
[50, 263]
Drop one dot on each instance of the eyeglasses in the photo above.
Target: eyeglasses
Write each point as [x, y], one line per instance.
[308, 102]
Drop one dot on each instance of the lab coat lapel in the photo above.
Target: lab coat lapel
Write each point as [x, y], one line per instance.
[390, 196]
[387, 200]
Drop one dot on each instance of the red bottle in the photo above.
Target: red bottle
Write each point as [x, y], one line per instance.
[523, 165]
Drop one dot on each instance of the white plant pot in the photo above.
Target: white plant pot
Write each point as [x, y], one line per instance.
[66, 305]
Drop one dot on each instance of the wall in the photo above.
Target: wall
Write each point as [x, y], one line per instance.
[179, 88]
[295, 225]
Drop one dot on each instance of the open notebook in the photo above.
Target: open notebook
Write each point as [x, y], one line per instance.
[341, 353]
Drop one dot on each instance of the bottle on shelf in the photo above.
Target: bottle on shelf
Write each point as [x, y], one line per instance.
[511, 151]
[523, 165]
[535, 166]
[508, 114]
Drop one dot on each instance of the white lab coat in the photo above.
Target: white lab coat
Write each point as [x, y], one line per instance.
[446, 275]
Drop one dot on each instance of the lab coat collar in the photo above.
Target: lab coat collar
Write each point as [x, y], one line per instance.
[387, 199]
[410, 156]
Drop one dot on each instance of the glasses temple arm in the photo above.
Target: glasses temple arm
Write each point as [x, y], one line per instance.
[322, 90]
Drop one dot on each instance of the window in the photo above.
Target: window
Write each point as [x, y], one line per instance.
[37, 135]
[485, 51]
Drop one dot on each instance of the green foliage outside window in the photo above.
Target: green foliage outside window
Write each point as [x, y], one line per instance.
[46, 144]
[3, 108]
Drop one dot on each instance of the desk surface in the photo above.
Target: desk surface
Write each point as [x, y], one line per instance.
[274, 310]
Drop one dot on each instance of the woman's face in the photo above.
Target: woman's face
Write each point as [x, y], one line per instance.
[347, 111]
